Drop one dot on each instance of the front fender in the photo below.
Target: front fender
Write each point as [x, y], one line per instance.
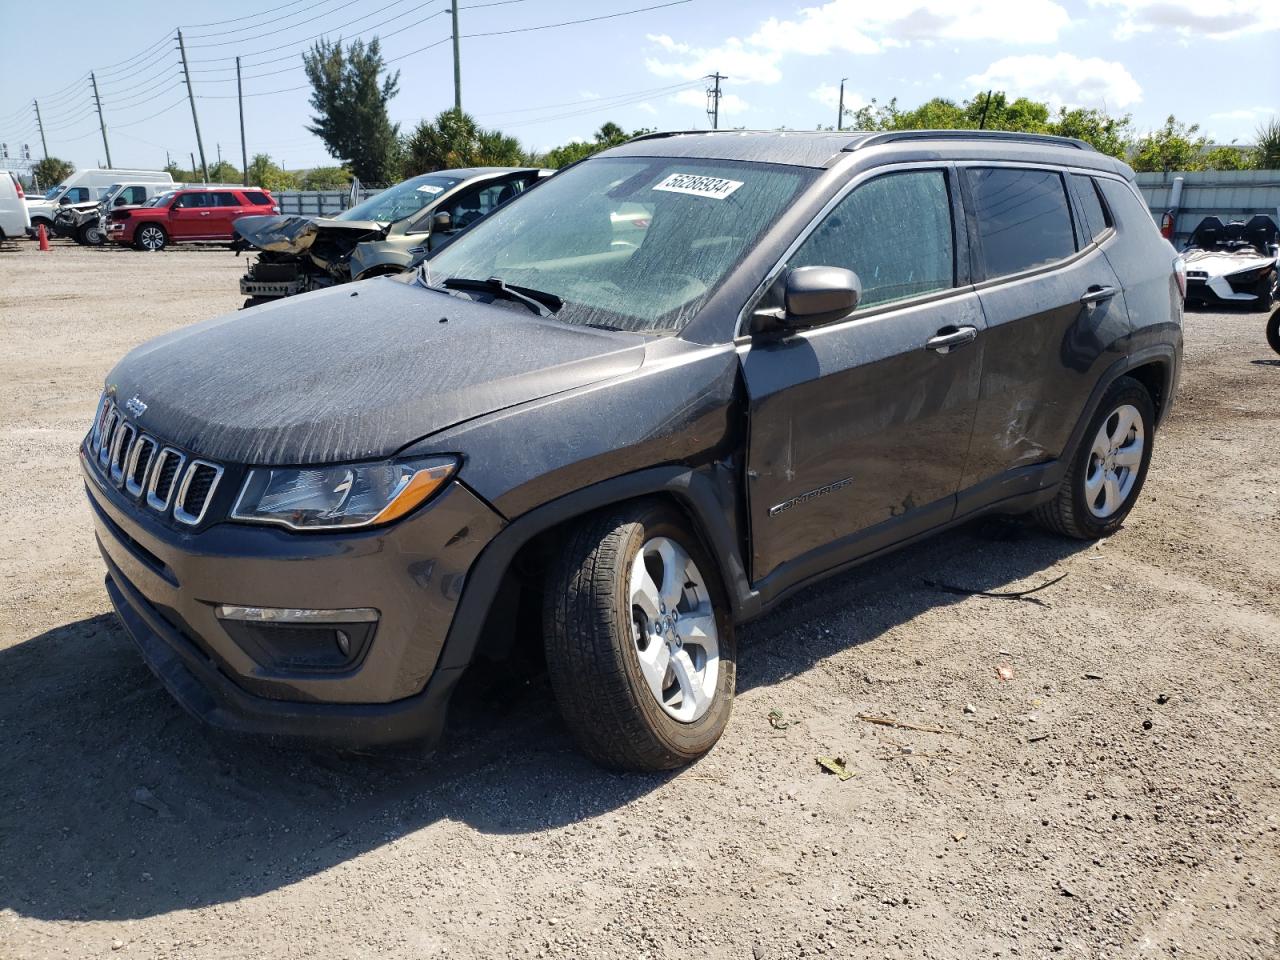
[384, 256]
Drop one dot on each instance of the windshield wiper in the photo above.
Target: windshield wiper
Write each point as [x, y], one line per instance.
[539, 301]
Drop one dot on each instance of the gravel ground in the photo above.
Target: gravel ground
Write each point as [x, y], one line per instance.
[1116, 798]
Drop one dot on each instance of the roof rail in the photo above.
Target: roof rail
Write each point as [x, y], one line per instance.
[1011, 136]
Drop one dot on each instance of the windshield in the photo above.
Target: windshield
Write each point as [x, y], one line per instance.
[159, 201]
[401, 201]
[636, 243]
[52, 192]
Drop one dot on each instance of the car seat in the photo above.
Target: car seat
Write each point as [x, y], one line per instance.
[1207, 234]
[1261, 232]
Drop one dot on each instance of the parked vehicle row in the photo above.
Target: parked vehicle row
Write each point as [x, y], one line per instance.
[624, 413]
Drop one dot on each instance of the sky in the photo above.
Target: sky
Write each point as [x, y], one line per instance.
[548, 84]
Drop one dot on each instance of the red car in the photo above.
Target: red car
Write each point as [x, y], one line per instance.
[201, 214]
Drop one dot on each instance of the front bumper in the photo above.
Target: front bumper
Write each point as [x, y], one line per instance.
[166, 585]
[1219, 291]
[260, 288]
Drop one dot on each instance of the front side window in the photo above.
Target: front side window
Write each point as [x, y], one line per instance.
[1022, 217]
[894, 232]
[135, 194]
[637, 243]
[187, 201]
[77, 195]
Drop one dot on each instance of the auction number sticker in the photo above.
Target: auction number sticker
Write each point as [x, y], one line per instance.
[430, 188]
[717, 188]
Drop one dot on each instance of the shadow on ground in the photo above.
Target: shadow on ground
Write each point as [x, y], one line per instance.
[114, 804]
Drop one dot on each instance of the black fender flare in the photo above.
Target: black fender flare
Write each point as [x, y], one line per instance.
[708, 499]
[1164, 353]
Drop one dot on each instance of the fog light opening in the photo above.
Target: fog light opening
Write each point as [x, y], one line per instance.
[344, 643]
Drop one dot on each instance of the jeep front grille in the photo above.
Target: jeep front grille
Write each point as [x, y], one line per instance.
[164, 478]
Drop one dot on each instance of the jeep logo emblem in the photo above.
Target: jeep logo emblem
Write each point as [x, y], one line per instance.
[135, 406]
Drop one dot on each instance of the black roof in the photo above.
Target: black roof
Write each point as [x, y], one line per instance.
[825, 148]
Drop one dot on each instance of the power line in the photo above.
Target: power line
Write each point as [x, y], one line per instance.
[310, 14]
[569, 23]
[651, 92]
[329, 30]
[247, 16]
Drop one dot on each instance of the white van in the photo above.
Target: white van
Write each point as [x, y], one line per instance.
[13, 210]
[83, 185]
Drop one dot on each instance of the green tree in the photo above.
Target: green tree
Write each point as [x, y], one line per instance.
[1228, 157]
[1266, 155]
[609, 135]
[350, 98]
[51, 171]
[326, 178]
[1105, 133]
[455, 140]
[263, 172]
[224, 172]
[1174, 146]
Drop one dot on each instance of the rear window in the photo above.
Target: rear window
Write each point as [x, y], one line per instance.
[1096, 218]
[1023, 219]
[257, 198]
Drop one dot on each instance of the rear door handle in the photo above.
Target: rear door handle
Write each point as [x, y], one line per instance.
[1097, 294]
[949, 338]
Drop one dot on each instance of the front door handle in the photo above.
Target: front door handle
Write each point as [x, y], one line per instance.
[1097, 294]
[948, 338]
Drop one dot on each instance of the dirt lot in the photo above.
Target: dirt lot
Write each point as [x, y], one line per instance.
[1117, 798]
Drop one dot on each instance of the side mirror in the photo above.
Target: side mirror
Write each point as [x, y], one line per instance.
[441, 221]
[817, 295]
[64, 199]
[119, 202]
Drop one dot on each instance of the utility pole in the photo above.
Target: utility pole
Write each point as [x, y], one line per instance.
[840, 109]
[102, 124]
[191, 95]
[457, 62]
[193, 166]
[982, 121]
[40, 123]
[244, 151]
[713, 95]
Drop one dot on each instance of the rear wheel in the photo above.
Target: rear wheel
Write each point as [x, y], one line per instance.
[1273, 331]
[151, 237]
[640, 646]
[1107, 470]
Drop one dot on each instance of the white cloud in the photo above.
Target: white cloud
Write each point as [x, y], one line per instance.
[828, 94]
[1245, 113]
[1188, 19]
[856, 27]
[730, 103]
[648, 108]
[1062, 79]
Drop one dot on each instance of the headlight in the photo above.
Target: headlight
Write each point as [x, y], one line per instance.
[340, 497]
[1251, 275]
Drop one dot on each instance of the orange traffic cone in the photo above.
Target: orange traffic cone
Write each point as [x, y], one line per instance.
[43, 235]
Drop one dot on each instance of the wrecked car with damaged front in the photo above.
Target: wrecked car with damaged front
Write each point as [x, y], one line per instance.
[623, 414]
[382, 235]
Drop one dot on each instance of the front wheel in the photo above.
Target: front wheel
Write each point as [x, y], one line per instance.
[640, 645]
[151, 237]
[1273, 331]
[91, 235]
[1107, 470]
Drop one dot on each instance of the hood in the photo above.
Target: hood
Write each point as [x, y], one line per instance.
[1223, 263]
[297, 234]
[355, 372]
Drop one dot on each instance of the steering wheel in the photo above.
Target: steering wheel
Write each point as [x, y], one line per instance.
[689, 287]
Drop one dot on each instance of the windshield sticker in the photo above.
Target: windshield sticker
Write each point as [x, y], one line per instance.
[430, 188]
[717, 188]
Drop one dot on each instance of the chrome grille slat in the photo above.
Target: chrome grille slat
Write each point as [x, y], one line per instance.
[193, 497]
[135, 471]
[108, 428]
[162, 474]
[121, 447]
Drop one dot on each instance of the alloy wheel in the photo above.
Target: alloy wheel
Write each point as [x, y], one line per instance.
[1114, 461]
[674, 628]
[152, 238]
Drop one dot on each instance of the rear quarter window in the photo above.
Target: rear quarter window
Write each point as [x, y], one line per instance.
[1023, 219]
[1096, 218]
[257, 198]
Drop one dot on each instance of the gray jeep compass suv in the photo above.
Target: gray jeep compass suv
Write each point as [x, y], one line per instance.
[637, 406]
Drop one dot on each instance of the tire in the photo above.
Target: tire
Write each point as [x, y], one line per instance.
[1263, 292]
[91, 235]
[150, 237]
[48, 227]
[1273, 331]
[1086, 507]
[596, 640]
